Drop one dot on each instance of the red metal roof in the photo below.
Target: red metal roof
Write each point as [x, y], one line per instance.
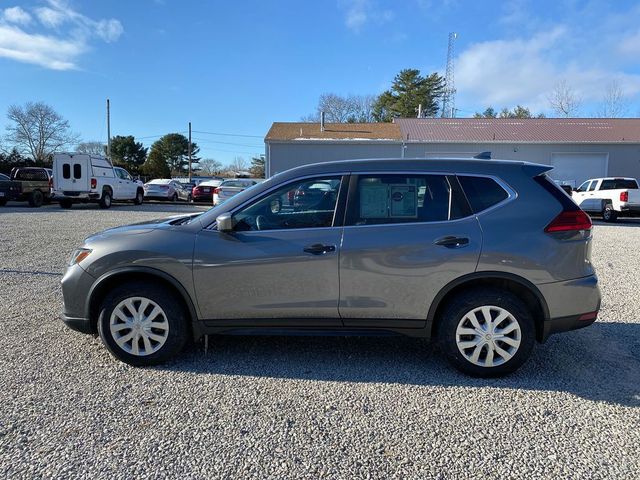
[514, 130]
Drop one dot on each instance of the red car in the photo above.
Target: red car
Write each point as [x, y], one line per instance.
[203, 192]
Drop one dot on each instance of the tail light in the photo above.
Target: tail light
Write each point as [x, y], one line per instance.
[195, 190]
[216, 191]
[51, 183]
[624, 196]
[94, 183]
[568, 221]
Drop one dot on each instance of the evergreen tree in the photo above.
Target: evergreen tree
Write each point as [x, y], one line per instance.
[409, 89]
[173, 148]
[156, 166]
[128, 153]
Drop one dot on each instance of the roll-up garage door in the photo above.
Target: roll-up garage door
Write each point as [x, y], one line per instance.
[575, 168]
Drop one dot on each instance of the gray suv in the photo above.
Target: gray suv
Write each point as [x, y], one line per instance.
[485, 257]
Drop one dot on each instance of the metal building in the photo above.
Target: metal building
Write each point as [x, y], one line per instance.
[578, 148]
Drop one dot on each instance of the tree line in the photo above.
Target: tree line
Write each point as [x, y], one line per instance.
[410, 89]
[36, 131]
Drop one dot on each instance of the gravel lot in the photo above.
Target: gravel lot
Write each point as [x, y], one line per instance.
[303, 407]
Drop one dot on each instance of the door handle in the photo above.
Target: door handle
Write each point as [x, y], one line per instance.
[319, 249]
[452, 242]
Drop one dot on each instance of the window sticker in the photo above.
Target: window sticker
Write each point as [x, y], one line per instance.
[374, 201]
[404, 201]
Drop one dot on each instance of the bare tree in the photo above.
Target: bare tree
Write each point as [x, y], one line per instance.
[239, 164]
[339, 109]
[614, 103]
[38, 130]
[209, 166]
[91, 148]
[564, 101]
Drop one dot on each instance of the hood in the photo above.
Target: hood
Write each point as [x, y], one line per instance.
[143, 227]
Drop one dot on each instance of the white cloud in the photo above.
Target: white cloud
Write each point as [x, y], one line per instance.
[360, 12]
[53, 49]
[16, 15]
[503, 73]
[50, 17]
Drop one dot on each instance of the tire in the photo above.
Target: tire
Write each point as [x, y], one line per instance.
[169, 338]
[139, 198]
[174, 198]
[105, 201]
[609, 214]
[3, 202]
[457, 319]
[66, 203]
[36, 198]
[189, 198]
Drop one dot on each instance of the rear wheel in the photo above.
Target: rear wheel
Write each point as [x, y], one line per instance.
[3, 202]
[486, 332]
[139, 198]
[189, 198]
[609, 214]
[142, 324]
[36, 198]
[174, 198]
[66, 203]
[105, 201]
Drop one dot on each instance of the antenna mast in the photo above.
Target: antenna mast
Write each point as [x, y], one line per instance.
[449, 95]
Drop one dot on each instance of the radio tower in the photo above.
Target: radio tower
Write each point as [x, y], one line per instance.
[449, 95]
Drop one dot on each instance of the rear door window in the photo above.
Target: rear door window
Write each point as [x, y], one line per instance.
[400, 198]
[77, 171]
[66, 171]
[482, 192]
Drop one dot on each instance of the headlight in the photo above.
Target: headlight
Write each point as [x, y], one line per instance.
[79, 255]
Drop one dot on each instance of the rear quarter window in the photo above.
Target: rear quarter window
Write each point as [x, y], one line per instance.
[482, 192]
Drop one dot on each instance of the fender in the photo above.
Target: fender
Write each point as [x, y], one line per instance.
[484, 275]
[148, 271]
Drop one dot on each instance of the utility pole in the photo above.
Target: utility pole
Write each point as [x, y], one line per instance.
[108, 131]
[189, 152]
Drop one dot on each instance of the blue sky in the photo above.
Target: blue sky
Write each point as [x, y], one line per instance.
[236, 66]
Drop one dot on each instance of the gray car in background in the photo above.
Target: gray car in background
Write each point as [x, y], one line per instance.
[486, 257]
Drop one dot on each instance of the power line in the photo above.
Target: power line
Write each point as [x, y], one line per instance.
[229, 134]
[228, 143]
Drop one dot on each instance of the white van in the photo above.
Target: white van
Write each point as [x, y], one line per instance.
[79, 177]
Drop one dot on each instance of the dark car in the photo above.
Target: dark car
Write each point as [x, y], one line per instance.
[9, 190]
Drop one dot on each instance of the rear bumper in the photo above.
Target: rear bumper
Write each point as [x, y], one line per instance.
[569, 304]
[76, 196]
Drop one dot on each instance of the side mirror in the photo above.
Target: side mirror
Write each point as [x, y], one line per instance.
[224, 222]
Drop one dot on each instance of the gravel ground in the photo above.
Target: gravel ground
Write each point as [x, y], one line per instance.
[303, 407]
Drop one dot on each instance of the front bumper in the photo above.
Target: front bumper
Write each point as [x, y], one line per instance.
[76, 285]
[569, 303]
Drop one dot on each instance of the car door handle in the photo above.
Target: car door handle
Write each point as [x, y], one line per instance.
[452, 242]
[319, 249]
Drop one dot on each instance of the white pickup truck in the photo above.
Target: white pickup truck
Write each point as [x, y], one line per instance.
[88, 178]
[612, 197]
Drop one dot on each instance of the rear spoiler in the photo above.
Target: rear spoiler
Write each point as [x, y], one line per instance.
[535, 169]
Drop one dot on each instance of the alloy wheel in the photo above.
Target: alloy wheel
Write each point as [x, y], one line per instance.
[488, 336]
[139, 326]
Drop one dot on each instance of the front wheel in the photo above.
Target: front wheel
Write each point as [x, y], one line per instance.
[174, 198]
[142, 324]
[486, 332]
[609, 214]
[3, 202]
[139, 198]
